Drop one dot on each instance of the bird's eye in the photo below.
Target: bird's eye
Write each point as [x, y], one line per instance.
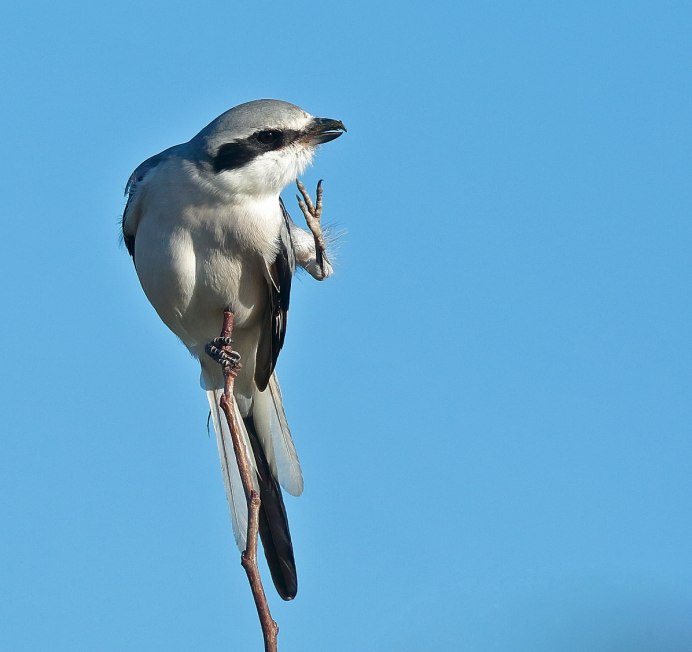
[269, 136]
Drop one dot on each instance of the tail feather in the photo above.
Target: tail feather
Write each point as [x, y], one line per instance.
[275, 437]
[273, 523]
[229, 465]
[271, 454]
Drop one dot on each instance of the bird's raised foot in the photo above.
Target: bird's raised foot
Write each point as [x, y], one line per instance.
[313, 215]
[216, 350]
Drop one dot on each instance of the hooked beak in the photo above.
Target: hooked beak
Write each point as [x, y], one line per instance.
[322, 130]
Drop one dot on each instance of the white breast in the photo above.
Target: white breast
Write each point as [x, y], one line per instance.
[198, 251]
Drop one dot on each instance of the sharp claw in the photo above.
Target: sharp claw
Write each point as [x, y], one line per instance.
[227, 359]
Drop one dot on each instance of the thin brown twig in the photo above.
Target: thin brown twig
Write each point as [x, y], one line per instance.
[312, 214]
[248, 558]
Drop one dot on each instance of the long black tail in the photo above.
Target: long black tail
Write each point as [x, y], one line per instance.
[273, 523]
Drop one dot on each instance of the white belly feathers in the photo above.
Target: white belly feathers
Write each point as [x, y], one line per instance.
[214, 255]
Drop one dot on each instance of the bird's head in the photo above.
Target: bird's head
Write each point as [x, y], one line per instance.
[260, 147]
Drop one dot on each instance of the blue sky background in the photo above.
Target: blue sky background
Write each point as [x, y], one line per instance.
[491, 399]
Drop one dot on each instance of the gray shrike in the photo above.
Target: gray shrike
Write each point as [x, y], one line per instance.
[207, 230]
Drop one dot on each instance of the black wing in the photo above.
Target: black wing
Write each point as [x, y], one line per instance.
[274, 332]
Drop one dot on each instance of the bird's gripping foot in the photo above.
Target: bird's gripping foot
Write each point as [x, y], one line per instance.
[219, 349]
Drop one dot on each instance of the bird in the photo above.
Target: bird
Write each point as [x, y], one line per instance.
[208, 231]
